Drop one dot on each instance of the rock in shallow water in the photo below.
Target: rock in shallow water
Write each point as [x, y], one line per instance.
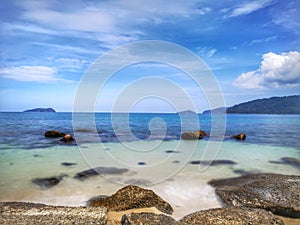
[231, 216]
[147, 219]
[131, 197]
[98, 171]
[54, 133]
[277, 193]
[47, 182]
[193, 135]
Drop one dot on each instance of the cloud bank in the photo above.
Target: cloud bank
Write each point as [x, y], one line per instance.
[275, 71]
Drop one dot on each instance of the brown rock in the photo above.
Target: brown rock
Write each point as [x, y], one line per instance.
[67, 138]
[131, 197]
[193, 135]
[147, 219]
[54, 133]
[277, 193]
[231, 216]
[240, 136]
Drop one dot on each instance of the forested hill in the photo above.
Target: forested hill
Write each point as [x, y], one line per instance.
[274, 105]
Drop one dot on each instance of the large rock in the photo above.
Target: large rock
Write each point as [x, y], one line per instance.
[231, 216]
[67, 138]
[131, 197]
[31, 213]
[193, 135]
[277, 193]
[54, 133]
[147, 219]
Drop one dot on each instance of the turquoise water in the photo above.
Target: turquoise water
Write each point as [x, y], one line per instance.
[161, 162]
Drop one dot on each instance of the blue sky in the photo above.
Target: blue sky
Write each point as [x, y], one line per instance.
[252, 48]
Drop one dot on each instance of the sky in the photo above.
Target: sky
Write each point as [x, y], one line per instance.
[251, 48]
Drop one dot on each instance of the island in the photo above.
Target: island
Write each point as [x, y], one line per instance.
[187, 112]
[40, 110]
[273, 105]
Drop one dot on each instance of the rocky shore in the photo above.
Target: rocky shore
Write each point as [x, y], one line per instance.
[251, 199]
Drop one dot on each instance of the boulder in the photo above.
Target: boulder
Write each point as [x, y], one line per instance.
[54, 133]
[132, 197]
[67, 138]
[231, 216]
[193, 135]
[240, 136]
[277, 193]
[147, 219]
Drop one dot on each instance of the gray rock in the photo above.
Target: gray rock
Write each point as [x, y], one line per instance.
[277, 193]
[31, 214]
[132, 197]
[147, 219]
[231, 216]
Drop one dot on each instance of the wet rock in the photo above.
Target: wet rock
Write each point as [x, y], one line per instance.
[214, 163]
[240, 136]
[98, 171]
[147, 219]
[54, 133]
[68, 164]
[32, 213]
[67, 138]
[141, 163]
[231, 216]
[277, 193]
[193, 135]
[132, 197]
[47, 182]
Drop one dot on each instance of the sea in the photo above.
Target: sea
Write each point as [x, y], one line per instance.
[143, 149]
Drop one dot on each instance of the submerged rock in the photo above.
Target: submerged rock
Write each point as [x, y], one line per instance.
[32, 213]
[288, 161]
[68, 164]
[240, 136]
[231, 216]
[54, 133]
[213, 163]
[98, 171]
[147, 219]
[193, 135]
[47, 182]
[277, 193]
[132, 197]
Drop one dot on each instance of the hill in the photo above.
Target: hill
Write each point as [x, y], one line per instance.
[220, 110]
[274, 105]
[40, 110]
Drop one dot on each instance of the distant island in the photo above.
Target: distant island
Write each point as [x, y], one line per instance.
[187, 112]
[216, 111]
[40, 110]
[273, 105]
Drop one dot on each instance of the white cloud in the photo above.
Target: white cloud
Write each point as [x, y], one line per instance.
[276, 71]
[249, 7]
[40, 74]
[263, 40]
[206, 52]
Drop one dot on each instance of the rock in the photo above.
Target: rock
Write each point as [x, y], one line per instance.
[291, 161]
[277, 193]
[68, 164]
[231, 216]
[193, 135]
[240, 136]
[47, 182]
[67, 138]
[213, 163]
[54, 133]
[147, 219]
[131, 197]
[32, 213]
[98, 171]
